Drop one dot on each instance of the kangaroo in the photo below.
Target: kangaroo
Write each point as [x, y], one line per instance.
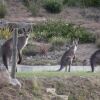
[95, 59]
[68, 56]
[7, 47]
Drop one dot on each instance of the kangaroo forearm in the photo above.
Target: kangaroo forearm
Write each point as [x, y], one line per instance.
[20, 58]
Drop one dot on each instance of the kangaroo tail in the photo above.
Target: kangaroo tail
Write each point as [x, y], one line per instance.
[20, 58]
[61, 67]
[4, 58]
[92, 63]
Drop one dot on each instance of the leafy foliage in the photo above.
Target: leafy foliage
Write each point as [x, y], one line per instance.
[51, 29]
[5, 33]
[3, 9]
[94, 3]
[53, 6]
[58, 41]
[33, 6]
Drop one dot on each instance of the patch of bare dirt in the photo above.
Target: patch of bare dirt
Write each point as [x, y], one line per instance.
[75, 87]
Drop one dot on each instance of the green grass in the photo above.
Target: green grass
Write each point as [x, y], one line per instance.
[56, 74]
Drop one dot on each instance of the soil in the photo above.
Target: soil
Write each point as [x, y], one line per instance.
[75, 88]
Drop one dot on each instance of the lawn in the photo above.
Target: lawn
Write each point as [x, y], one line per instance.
[56, 74]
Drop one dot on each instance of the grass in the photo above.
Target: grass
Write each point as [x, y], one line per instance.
[56, 74]
[3, 9]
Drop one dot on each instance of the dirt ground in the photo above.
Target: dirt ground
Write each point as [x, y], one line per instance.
[75, 88]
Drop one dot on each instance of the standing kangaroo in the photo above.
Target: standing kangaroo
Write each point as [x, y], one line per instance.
[95, 59]
[7, 47]
[68, 56]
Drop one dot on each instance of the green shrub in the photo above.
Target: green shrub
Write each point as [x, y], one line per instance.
[53, 6]
[34, 8]
[86, 3]
[94, 3]
[50, 29]
[26, 2]
[72, 2]
[5, 33]
[40, 36]
[58, 41]
[29, 50]
[3, 9]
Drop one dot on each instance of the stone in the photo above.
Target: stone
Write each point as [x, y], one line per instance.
[51, 91]
[5, 78]
[15, 82]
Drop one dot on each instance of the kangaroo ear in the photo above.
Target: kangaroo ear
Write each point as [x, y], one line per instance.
[30, 29]
[77, 40]
[23, 29]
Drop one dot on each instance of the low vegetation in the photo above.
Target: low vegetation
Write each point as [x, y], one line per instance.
[56, 74]
[58, 41]
[33, 6]
[66, 31]
[3, 9]
[5, 33]
[53, 6]
[86, 3]
[56, 6]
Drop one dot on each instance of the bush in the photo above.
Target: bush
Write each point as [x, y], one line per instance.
[34, 8]
[53, 6]
[3, 9]
[51, 29]
[72, 2]
[5, 33]
[40, 36]
[86, 3]
[29, 50]
[58, 41]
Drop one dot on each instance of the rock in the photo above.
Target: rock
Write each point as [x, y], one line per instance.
[51, 91]
[15, 82]
[5, 78]
[60, 97]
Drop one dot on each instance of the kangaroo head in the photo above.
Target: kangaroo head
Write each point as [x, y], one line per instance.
[24, 32]
[75, 44]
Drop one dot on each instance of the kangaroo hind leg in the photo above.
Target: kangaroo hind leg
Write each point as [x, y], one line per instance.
[66, 68]
[19, 57]
[70, 63]
[4, 58]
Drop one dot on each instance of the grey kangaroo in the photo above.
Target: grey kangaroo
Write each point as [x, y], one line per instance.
[68, 56]
[95, 59]
[7, 47]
